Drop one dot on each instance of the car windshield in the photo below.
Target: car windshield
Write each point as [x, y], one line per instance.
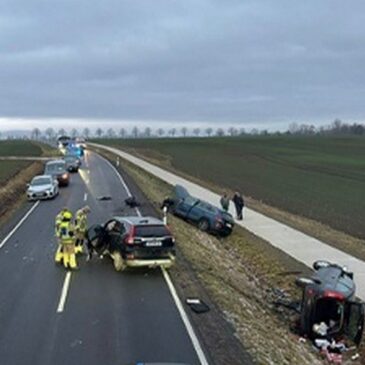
[70, 159]
[41, 181]
[55, 167]
[151, 231]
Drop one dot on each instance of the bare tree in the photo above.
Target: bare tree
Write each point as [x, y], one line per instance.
[160, 132]
[220, 132]
[232, 131]
[74, 133]
[148, 132]
[99, 132]
[50, 133]
[61, 132]
[254, 131]
[36, 133]
[196, 131]
[110, 133]
[209, 131]
[135, 132]
[172, 132]
[86, 133]
[184, 131]
[122, 132]
[242, 131]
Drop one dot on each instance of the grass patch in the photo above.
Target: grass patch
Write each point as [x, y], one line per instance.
[20, 148]
[321, 178]
[8, 169]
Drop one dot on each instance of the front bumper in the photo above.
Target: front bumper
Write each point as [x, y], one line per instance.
[40, 195]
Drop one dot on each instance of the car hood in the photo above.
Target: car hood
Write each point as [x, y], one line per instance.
[40, 188]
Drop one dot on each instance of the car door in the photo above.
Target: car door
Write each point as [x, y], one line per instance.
[354, 321]
[96, 236]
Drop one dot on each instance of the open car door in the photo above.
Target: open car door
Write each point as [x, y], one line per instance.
[96, 236]
[354, 321]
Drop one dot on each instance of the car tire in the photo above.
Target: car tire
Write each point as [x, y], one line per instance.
[303, 282]
[118, 261]
[320, 263]
[203, 224]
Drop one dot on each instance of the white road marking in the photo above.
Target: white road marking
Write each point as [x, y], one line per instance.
[85, 197]
[35, 205]
[123, 183]
[66, 285]
[189, 328]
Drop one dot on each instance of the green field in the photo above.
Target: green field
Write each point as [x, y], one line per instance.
[10, 168]
[322, 178]
[19, 148]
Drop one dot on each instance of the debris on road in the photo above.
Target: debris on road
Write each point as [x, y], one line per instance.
[197, 305]
[132, 202]
[104, 198]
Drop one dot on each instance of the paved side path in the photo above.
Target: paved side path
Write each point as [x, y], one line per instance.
[295, 243]
[26, 158]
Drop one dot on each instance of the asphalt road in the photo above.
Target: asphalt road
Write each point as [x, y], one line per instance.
[108, 318]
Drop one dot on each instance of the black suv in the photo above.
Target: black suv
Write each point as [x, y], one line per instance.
[329, 298]
[134, 242]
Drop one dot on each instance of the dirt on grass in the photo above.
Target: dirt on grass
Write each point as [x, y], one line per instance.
[242, 276]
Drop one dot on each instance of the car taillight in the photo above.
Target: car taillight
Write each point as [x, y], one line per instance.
[130, 238]
[333, 294]
[64, 176]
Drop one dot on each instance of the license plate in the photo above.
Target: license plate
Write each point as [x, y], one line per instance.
[154, 244]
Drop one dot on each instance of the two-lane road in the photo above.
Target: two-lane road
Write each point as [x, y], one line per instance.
[108, 318]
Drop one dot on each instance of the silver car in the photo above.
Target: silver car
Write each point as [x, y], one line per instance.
[42, 187]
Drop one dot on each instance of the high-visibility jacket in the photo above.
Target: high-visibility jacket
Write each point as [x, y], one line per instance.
[58, 221]
[66, 232]
[81, 221]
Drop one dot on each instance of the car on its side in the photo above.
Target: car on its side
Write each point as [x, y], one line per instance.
[72, 163]
[58, 170]
[42, 187]
[329, 298]
[206, 216]
[134, 242]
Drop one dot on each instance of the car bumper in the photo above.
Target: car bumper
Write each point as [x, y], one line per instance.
[151, 263]
[40, 196]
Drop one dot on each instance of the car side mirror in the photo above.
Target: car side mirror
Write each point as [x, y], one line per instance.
[28, 185]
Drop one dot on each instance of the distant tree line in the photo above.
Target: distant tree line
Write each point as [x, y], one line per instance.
[337, 127]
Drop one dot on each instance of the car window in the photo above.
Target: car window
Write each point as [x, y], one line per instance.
[207, 207]
[189, 200]
[41, 181]
[151, 231]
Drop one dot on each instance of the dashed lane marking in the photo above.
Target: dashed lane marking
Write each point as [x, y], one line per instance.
[85, 197]
[66, 285]
[6, 239]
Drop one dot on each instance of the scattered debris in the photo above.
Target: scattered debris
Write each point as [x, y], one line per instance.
[132, 202]
[197, 305]
[104, 198]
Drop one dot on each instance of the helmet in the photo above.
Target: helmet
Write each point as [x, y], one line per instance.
[67, 215]
[86, 209]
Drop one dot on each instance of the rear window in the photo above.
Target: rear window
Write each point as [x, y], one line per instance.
[55, 167]
[151, 231]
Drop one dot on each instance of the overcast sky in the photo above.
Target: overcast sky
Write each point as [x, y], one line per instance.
[254, 63]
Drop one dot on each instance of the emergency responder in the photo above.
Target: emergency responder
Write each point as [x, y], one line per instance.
[81, 228]
[67, 239]
[58, 256]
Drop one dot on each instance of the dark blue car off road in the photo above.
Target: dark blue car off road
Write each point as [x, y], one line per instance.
[206, 216]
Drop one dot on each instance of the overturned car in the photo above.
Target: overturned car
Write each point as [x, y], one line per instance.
[329, 308]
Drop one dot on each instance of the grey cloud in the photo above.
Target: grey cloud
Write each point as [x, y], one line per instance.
[217, 61]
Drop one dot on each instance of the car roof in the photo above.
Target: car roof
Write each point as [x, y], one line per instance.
[41, 177]
[54, 162]
[139, 221]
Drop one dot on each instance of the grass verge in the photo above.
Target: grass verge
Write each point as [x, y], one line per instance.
[242, 275]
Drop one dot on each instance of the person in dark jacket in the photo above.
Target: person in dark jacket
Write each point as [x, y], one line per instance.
[225, 202]
[239, 204]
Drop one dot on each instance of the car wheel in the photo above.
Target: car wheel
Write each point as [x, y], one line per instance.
[118, 261]
[203, 224]
[320, 263]
[303, 282]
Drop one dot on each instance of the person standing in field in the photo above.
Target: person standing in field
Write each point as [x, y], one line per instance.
[225, 202]
[239, 204]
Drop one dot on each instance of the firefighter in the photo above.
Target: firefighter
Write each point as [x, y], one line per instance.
[58, 256]
[81, 228]
[67, 239]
